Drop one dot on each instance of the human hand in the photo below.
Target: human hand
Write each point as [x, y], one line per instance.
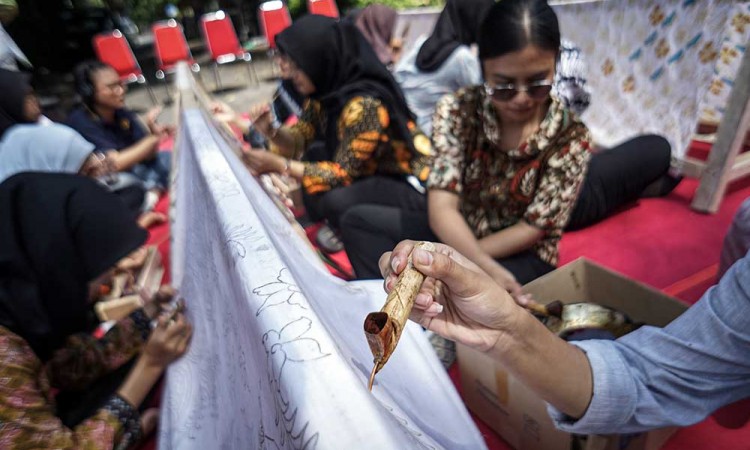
[458, 300]
[160, 301]
[223, 112]
[133, 261]
[262, 161]
[261, 118]
[168, 341]
[508, 282]
[111, 162]
[147, 219]
[157, 129]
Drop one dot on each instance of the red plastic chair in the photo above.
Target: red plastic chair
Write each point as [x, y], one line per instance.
[223, 44]
[112, 48]
[323, 8]
[274, 18]
[170, 47]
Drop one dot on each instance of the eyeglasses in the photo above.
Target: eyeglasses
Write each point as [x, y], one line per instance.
[116, 86]
[537, 90]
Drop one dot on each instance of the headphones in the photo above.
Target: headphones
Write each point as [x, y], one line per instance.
[84, 84]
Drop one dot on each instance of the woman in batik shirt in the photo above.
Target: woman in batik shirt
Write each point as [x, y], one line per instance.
[372, 151]
[59, 237]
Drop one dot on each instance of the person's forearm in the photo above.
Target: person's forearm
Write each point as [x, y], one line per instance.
[451, 228]
[296, 169]
[136, 153]
[139, 382]
[511, 240]
[558, 372]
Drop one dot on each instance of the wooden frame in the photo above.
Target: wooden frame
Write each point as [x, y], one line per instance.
[725, 163]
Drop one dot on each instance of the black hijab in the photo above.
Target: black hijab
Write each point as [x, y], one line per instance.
[14, 87]
[342, 64]
[58, 232]
[457, 25]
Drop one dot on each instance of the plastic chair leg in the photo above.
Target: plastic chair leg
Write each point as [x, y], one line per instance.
[252, 73]
[166, 85]
[217, 79]
[154, 101]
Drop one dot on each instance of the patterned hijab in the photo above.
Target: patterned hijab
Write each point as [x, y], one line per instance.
[58, 232]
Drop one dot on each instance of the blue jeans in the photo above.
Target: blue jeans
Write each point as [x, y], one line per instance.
[154, 173]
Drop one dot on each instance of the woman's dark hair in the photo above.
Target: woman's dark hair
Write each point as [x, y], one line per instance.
[511, 25]
[83, 75]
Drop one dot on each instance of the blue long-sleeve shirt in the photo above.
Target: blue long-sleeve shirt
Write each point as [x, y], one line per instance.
[676, 375]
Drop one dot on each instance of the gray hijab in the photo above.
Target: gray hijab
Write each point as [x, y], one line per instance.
[42, 148]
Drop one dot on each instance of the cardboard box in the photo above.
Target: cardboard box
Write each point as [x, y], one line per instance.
[513, 410]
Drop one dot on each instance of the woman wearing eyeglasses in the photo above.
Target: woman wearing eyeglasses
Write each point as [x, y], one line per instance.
[510, 162]
[510, 159]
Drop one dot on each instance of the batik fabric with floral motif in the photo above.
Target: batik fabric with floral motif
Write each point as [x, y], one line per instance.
[27, 406]
[367, 146]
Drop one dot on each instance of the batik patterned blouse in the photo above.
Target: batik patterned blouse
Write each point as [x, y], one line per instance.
[538, 182]
[367, 146]
[27, 406]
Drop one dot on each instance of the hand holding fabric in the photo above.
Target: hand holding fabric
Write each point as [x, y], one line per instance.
[261, 161]
[168, 341]
[157, 129]
[262, 119]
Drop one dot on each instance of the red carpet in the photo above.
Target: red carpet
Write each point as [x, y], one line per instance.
[661, 242]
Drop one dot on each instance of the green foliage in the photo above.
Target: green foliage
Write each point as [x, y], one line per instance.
[299, 7]
[145, 12]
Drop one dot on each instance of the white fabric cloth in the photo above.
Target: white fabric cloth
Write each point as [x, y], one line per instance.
[423, 89]
[10, 54]
[650, 63]
[279, 357]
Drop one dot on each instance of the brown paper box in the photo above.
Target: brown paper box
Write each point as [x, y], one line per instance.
[513, 410]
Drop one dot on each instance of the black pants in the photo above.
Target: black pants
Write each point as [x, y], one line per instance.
[619, 176]
[368, 231]
[373, 190]
[615, 177]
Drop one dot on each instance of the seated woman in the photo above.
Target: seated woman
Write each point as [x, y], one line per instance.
[60, 149]
[444, 62]
[376, 23]
[103, 120]
[45, 306]
[510, 162]
[18, 104]
[371, 145]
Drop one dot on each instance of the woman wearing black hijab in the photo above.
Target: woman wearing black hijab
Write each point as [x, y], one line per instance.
[372, 145]
[18, 104]
[59, 237]
[444, 62]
